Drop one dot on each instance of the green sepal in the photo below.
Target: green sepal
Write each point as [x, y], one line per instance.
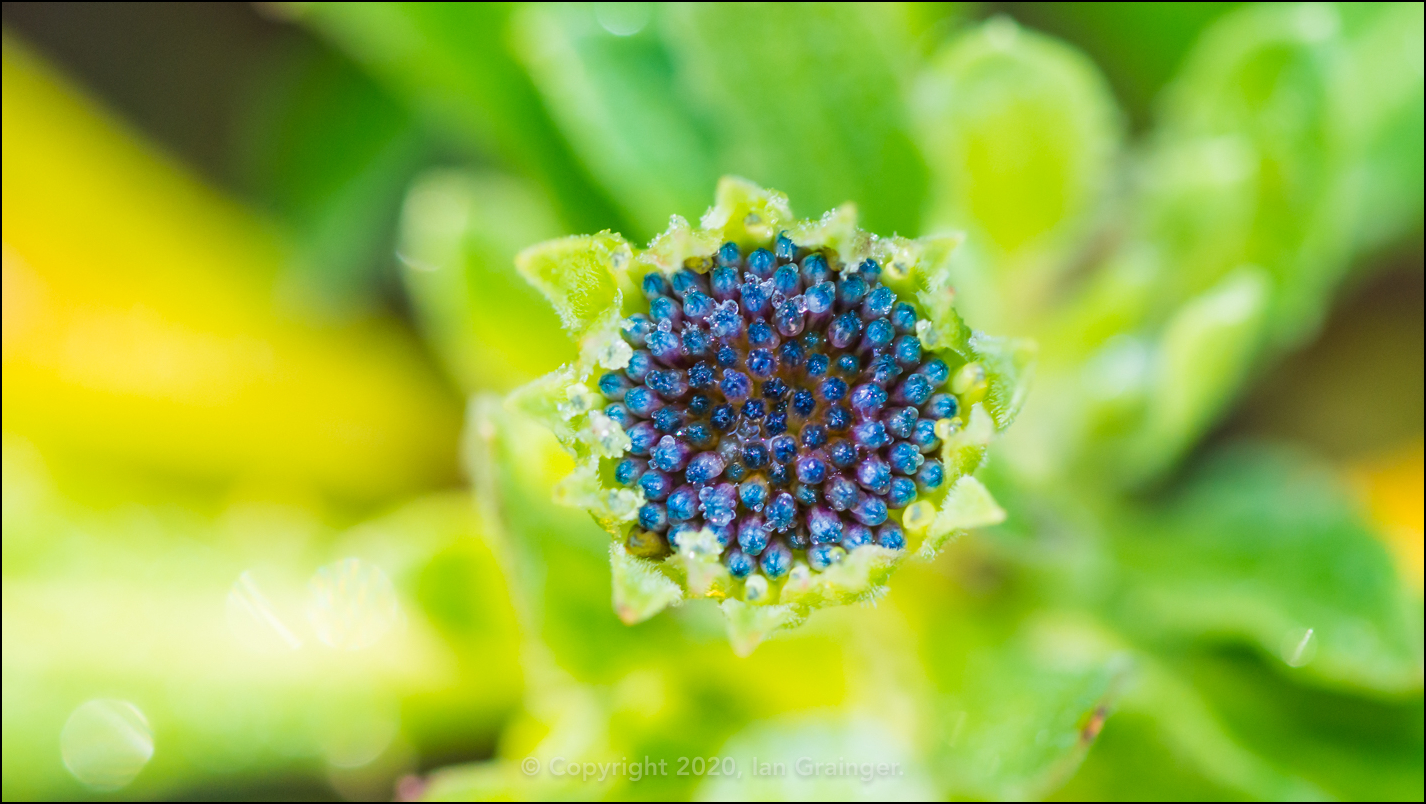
[611, 508]
[742, 213]
[576, 274]
[764, 608]
[541, 400]
[1009, 364]
[749, 625]
[860, 577]
[745, 213]
[967, 505]
[641, 589]
[965, 450]
[673, 249]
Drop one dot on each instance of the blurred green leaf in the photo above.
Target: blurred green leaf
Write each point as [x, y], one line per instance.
[1254, 162]
[243, 659]
[1134, 760]
[330, 152]
[1381, 99]
[609, 84]
[1270, 154]
[451, 62]
[1021, 132]
[1018, 723]
[1011, 689]
[559, 553]
[1205, 351]
[1263, 547]
[1139, 46]
[807, 99]
[1350, 746]
[1183, 745]
[460, 232]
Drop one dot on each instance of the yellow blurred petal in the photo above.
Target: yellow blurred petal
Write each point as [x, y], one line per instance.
[1390, 486]
[144, 325]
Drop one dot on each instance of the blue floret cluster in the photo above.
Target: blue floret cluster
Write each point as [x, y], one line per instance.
[779, 399]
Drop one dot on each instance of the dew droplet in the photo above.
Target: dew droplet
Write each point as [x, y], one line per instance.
[800, 575]
[945, 428]
[623, 504]
[918, 516]
[1299, 647]
[623, 19]
[755, 588]
[581, 400]
[612, 352]
[970, 377]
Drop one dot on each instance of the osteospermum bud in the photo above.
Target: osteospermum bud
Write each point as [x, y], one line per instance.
[785, 408]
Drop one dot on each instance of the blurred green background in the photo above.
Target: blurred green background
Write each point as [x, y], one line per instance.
[268, 532]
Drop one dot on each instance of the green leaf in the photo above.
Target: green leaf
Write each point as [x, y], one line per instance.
[1137, 45]
[613, 95]
[1021, 132]
[1202, 360]
[807, 98]
[1009, 365]
[1353, 747]
[640, 590]
[1251, 165]
[1018, 717]
[460, 233]
[217, 625]
[1168, 741]
[968, 505]
[1264, 548]
[451, 63]
[1382, 97]
[331, 152]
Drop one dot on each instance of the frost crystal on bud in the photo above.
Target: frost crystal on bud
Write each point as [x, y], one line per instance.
[794, 402]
